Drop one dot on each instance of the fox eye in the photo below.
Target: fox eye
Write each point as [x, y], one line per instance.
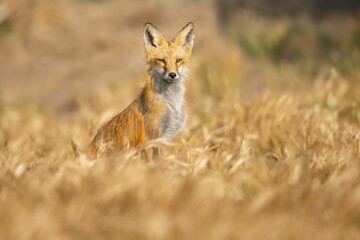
[161, 60]
[178, 60]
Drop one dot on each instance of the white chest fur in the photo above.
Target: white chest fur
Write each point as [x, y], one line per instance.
[174, 117]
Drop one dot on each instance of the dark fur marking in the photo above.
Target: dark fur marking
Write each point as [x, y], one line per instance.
[188, 36]
[150, 38]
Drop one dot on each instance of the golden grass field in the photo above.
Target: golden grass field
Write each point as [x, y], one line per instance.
[271, 149]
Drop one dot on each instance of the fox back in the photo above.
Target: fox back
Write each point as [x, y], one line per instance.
[158, 110]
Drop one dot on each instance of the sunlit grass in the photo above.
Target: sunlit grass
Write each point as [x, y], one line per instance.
[240, 166]
[269, 151]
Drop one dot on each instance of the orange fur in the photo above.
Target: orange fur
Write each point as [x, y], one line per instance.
[143, 118]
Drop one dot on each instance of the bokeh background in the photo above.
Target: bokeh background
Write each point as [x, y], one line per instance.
[271, 149]
[53, 52]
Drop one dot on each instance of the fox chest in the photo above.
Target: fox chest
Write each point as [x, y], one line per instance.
[171, 122]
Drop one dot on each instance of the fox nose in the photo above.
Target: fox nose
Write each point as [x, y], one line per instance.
[172, 75]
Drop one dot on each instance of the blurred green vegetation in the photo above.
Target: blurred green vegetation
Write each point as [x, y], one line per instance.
[5, 27]
[307, 43]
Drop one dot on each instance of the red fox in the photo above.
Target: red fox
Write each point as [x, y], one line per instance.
[158, 111]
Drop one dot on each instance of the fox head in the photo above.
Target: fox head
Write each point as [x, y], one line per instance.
[167, 60]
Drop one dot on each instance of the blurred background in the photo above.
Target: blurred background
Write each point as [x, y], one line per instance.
[270, 151]
[57, 54]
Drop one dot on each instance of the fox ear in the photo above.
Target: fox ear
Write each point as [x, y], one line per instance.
[186, 36]
[152, 36]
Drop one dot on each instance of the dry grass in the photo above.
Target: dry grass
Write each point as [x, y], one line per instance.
[260, 158]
